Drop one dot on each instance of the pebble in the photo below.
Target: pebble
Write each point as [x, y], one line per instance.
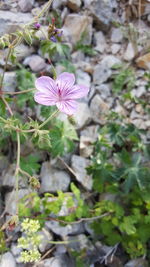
[116, 35]
[79, 165]
[7, 260]
[82, 116]
[26, 5]
[35, 62]
[74, 4]
[99, 109]
[53, 179]
[100, 41]
[74, 27]
[129, 53]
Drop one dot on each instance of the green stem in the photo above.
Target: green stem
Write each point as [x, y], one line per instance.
[17, 171]
[49, 118]
[5, 67]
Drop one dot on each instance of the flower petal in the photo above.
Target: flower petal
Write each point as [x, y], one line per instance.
[44, 99]
[45, 84]
[65, 80]
[77, 91]
[69, 107]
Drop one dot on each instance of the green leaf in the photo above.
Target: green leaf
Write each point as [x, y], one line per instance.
[30, 164]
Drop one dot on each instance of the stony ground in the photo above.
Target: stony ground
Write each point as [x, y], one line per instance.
[114, 45]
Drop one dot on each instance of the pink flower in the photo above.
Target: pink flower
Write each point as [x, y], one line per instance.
[60, 92]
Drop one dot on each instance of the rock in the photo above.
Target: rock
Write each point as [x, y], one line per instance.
[7, 260]
[119, 109]
[115, 48]
[102, 71]
[9, 81]
[143, 61]
[69, 229]
[99, 109]
[22, 51]
[10, 21]
[15, 250]
[74, 27]
[100, 41]
[3, 163]
[141, 90]
[87, 138]
[78, 242]
[74, 4]
[129, 53]
[82, 116]
[140, 262]
[8, 178]
[35, 62]
[116, 35]
[52, 179]
[86, 146]
[26, 5]
[77, 56]
[83, 78]
[10, 200]
[102, 12]
[58, 261]
[79, 165]
[139, 123]
[101, 74]
[45, 241]
[104, 90]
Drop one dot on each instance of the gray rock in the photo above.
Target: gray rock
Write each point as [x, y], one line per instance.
[102, 12]
[52, 179]
[10, 21]
[87, 138]
[141, 90]
[74, 4]
[129, 53]
[116, 35]
[22, 51]
[58, 261]
[115, 48]
[15, 250]
[35, 62]
[83, 78]
[78, 242]
[45, 241]
[10, 200]
[140, 262]
[74, 27]
[26, 5]
[9, 83]
[139, 123]
[8, 178]
[3, 163]
[103, 71]
[79, 165]
[101, 74]
[63, 231]
[82, 116]
[99, 109]
[100, 41]
[104, 90]
[7, 260]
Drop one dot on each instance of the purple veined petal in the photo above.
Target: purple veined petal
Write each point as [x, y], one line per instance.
[46, 84]
[69, 107]
[65, 81]
[44, 99]
[77, 91]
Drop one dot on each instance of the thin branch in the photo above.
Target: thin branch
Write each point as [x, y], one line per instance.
[17, 93]
[7, 105]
